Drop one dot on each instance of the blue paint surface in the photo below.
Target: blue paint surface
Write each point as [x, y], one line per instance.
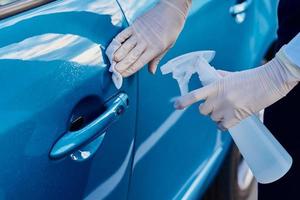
[52, 58]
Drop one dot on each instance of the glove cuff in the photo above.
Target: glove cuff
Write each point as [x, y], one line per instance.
[292, 69]
[182, 6]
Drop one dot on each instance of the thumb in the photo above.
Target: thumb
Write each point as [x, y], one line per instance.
[195, 96]
[154, 63]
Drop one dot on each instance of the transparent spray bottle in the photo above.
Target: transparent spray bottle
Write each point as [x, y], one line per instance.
[265, 156]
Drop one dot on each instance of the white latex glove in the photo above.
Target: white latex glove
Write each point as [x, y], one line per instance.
[150, 36]
[241, 94]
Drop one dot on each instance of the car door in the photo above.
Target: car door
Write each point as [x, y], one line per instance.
[178, 153]
[65, 131]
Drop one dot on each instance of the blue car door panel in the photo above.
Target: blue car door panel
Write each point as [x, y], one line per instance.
[55, 80]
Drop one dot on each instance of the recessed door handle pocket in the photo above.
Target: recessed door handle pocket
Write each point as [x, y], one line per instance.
[72, 140]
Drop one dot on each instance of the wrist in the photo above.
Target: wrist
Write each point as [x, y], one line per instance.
[181, 6]
[291, 69]
[275, 76]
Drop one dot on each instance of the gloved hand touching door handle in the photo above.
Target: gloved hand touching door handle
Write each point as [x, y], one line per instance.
[150, 36]
[241, 94]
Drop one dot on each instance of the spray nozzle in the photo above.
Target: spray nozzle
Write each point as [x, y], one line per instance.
[183, 67]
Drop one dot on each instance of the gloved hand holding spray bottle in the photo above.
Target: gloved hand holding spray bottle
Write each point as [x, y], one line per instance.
[265, 156]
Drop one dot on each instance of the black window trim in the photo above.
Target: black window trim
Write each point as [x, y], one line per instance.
[20, 6]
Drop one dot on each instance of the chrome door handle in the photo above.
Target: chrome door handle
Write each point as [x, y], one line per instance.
[238, 10]
[72, 140]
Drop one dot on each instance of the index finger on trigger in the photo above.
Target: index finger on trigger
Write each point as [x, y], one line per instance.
[193, 97]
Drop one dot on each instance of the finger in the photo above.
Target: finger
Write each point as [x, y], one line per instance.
[154, 63]
[125, 48]
[139, 63]
[205, 108]
[195, 96]
[229, 122]
[126, 33]
[131, 58]
[216, 116]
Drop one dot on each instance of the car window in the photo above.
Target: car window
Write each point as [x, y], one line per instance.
[5, 2]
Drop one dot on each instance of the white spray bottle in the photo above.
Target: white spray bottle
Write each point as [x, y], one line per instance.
[265, 156]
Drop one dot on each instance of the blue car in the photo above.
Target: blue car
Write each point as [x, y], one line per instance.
[66, 132]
